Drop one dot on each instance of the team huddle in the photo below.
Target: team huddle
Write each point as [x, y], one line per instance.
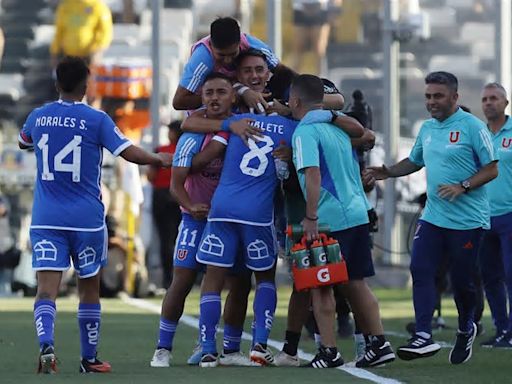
[257, 133]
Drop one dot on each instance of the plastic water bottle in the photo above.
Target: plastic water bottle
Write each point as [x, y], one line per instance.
[282, 170]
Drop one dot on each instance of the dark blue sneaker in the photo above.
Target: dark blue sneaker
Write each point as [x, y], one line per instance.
[463, 348]
[418, 347]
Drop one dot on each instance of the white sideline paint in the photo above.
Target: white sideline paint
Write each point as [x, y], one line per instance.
[194, 323]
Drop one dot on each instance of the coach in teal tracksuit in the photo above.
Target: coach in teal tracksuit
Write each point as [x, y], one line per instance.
[457, 152]
[496, 249]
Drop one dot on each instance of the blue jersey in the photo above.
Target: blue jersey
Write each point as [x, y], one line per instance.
[202, 63]
[68, 140]
[498, 190]
[451, 151]
[248, 181]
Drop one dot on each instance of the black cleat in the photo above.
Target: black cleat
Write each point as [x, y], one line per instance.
[325, 359]
[376, 355]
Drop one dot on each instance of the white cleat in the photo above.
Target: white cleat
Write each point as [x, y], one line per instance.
[237, 359]
[282, 359]
[209, 361]
[161, 358]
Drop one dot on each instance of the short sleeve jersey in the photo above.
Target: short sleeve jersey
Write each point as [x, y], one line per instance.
[452, 151]
[248, 182]
[200, 186]
[342, 204]
[201, 63]
[499, 190]
[68, 139]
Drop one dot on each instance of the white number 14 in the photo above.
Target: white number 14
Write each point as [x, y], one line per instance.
[58, 165]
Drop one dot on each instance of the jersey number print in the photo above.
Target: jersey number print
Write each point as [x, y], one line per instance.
[58, 165]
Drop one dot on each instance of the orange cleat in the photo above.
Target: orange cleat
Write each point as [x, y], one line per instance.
[96, 366]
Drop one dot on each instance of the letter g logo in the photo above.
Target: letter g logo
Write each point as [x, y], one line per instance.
[323, 275]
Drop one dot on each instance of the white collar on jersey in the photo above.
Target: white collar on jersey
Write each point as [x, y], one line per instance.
[63, 102]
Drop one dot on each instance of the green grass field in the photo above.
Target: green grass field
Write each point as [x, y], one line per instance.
[129, 336]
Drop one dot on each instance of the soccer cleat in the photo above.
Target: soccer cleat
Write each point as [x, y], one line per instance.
[237, 359]
[47, 361]
[96, 366]
[463, 348]
[196, 355]
[324, 359]
[282, 359]
[261, 355]
[376, 355]
[161, 358]
[209, 360]
[490, 343]
[418, 347]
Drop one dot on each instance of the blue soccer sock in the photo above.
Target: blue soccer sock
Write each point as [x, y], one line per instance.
[44, 318]
[89, 321]
[232, 338]
[264, 307]
[210, 309]
[166, 333]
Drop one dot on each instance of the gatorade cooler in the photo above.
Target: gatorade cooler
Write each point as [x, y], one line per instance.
[323, 274]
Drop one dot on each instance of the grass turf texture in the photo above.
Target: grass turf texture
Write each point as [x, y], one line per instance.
[129, 337]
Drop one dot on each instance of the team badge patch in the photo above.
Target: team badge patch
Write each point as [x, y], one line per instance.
[454, 136]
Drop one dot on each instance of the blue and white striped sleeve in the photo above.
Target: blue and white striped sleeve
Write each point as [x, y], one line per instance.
[188, 145]
[483, 146]
[271, 58]
[199, 66]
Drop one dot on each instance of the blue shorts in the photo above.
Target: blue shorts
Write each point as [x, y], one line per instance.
[355, 246]
[189, 236]
[222, 241]
[52, 250]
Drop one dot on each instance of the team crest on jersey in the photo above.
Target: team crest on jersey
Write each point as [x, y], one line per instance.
[505, 143]
[181, 254]
[212, 245]
[86, 257]
[45, 250]
[454, 136]
[257, 250]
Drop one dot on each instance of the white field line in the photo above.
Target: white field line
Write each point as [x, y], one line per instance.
[194, 323]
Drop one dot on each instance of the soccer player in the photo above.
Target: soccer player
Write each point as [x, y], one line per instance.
[457, 152]
[68, 218]
[235, 226]
[216, 53]
[496, 250]
[323, 158]
[196, 173]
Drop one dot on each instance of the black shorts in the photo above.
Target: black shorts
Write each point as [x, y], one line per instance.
[355, 246]
[306, 19]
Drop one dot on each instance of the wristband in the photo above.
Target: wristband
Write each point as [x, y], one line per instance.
[242, 90]
[311, 218]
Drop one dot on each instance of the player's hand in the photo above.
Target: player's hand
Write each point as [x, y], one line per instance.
[245, 130]
[283, 152]
[256, 100]
[450, 192]
[379, 173]
[310, 228]
[368, 180]
[199, 211]
[165, 159]
[368, 140]
[277, 107]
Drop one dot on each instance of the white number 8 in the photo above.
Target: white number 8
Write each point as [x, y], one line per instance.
[256, 152]
[58, 165]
